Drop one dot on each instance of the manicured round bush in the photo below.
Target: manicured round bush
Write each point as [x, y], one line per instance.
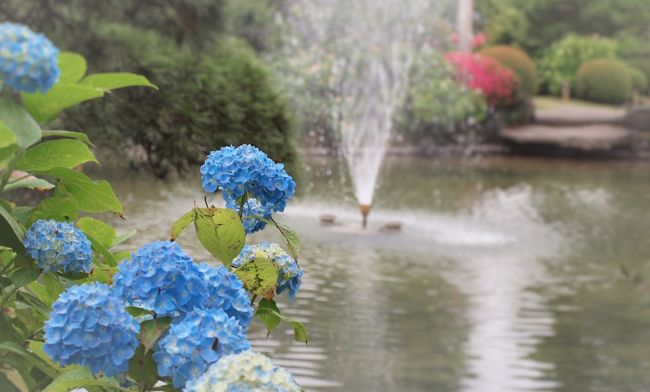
[518, 62]
[604, 80]
[639, 80]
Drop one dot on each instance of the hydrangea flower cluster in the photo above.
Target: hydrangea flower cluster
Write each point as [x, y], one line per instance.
[290, 273]
[244, 372]
[162, 278]
[89, 326]
[58, 246]
[195, 342]
[251, 207]
[226, 292]
[242, 170]
[28, 61]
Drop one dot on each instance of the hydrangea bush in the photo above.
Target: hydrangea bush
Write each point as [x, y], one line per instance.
[79, 308]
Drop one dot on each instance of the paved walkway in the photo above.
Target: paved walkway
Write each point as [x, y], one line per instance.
[573, 129]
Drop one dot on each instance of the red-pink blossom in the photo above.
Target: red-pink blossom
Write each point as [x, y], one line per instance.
[477, 72]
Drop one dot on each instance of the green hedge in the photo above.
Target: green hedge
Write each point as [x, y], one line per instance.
[520, 63]
[604, 80]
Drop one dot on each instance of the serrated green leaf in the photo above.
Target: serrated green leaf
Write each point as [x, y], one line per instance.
[45, 107]
[73, 67]
[181, 224]
[30, 182]
[267, 311]
[299, 332]
[113, 81]
[82, 137]
[100, 231]
[24, 276]
[7, 138]
[260, 276]
[66, 153]
[19, 122]
[92, 196]
[152, 330]
[80, 377]
[61, 207]
[220, 231]
[290, 237]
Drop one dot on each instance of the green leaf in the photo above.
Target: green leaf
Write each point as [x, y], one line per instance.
[113, 81]
[18, 121]
[181, 224]
[24, 276]
[53, 286]
[7, 154]
[80, 377]
[45, 107]
[61, 207]
[220, 231]
[16, 379]
[37, 348]
[299, 332]
[82, 137]
[30, 182]
[268, 312]
[124, 236]
[152, 330]
[29, 357]
[17, 230]
[103, 274]
[291, 238]
[92, 196]
[260, 276]
[55, 153]
[142, 367]
[73, 67]
[98, 247]
[137, 312]
[100, 231]
[7, 138]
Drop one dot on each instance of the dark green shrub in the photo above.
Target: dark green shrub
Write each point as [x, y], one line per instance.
[204, 102]
[604, 80]
[520, 63]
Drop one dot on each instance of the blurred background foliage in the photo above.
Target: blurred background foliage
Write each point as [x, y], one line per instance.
[202, 54]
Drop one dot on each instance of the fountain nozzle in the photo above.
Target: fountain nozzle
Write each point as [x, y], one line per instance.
[365, 210]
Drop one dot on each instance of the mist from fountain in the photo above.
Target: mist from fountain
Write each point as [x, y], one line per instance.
[363, 50]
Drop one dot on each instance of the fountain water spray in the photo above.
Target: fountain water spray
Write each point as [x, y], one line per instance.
[362, 50]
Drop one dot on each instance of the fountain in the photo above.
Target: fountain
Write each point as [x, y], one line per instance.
[363, 50]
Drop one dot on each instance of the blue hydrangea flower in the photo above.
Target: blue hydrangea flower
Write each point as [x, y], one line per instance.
[58, 246]
[246, 170]
[289, 273]
[226, 292]
[195, 342]
[89, 326]
[160, 277]
[28, 61]
[251, 207]
[244, 372]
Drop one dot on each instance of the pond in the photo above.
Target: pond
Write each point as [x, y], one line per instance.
[508, 275]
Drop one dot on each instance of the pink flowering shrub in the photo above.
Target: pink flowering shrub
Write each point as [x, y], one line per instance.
[482, 73]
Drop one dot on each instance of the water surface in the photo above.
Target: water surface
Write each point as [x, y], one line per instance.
[507, 275]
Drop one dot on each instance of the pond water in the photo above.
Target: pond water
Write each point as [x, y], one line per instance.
[507, 275]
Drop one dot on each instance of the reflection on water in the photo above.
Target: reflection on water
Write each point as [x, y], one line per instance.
[505, 276]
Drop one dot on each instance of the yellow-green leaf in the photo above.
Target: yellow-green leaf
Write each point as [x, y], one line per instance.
[220, 231]
[66, 153]
[260, 276]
